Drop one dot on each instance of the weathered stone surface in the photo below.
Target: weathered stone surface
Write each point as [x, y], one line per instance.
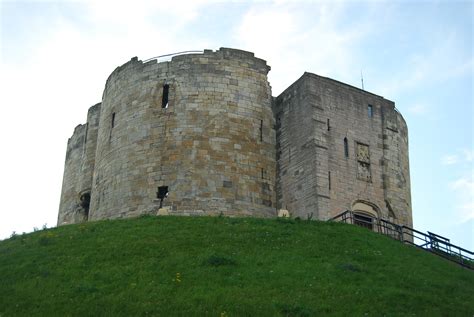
[314, 116]
[283, 213]
[163, 211]
[204, 132]
[213, 144]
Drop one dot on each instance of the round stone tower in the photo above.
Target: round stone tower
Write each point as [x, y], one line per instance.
[194, 135]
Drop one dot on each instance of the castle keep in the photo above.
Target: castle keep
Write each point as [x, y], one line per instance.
[202, 135]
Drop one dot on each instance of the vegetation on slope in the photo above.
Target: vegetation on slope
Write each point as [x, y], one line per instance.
[203, 266]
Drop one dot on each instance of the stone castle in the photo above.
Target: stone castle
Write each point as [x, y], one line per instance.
[202, 135]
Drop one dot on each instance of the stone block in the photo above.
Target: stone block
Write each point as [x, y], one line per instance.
[283, 213]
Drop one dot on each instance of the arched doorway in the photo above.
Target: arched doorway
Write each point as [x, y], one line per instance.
[365, 214]
[84, 202]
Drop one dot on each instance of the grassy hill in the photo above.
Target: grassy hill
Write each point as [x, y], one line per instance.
[203, 266]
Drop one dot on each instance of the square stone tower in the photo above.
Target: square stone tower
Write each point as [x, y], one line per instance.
[340, 148]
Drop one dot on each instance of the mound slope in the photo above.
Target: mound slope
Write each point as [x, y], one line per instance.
[218, 266]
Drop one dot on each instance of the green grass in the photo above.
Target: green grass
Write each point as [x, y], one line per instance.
[203, 266]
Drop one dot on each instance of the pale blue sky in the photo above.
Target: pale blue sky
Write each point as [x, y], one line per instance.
[56, 56]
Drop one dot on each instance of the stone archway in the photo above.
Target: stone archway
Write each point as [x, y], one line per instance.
[84, 203]
[365, 214]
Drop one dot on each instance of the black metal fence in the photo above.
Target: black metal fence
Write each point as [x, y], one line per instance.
[430, 242]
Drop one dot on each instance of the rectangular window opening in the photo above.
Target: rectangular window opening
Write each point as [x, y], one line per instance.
[261, 130]
[329, 180]
[370, 110]
[162, 194]
[329, 126]
[164, 101]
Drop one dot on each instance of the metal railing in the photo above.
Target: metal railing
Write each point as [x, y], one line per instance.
[430, 242]
[173, 54]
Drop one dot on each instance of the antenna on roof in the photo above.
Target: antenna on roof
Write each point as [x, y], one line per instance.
[362, 79]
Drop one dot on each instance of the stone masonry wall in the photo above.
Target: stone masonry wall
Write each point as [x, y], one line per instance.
[297, 154]
[69, 207]
[396, 175]
[79, 169]
[314, 117]
[213, 145]
[90, 146]
[206, 128]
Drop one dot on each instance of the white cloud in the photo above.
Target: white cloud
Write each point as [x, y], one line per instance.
[449, 159]
[464, 156]
[418, 109]
[464, 189]
[294, 41]
[464, 184]
[123, 16]
[468, 154]
[443, 62]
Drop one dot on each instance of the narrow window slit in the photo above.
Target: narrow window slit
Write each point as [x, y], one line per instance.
[329, 180]
[329, 126]
[112, 124]
[346, 148]
[261, 130]
[87, 130]
[164, 101]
